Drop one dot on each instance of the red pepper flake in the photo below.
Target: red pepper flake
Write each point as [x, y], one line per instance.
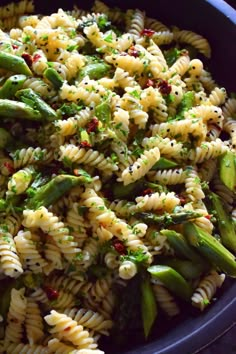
[150, 83]
[92, 125]
[119, 246]
[85, 144]
[133, 52]
[208, 216]
[147, 32]
[14, 46]
[36, 57]
[9, 166]
[164, 87]
[147, 191]
[67, 328]
[27, 58]
[51, 293]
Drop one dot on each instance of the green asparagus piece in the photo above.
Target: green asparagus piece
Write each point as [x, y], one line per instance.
[5, 138]
[228, 170]
[225, 224]
[28, 96]
[5, 295]
[14, 63]
[103, 112]
[171, 55]
[172, 280]
[53, 76]
[12, 85]
[55, 189]
[163, 164]
[186, 103]
[148, 304]
[189, 270]
[210, 248]
[167, 219]
[183, 249]
[3, 205]
[122, 192]
[14, 109]
[131, 190]
[95, 71]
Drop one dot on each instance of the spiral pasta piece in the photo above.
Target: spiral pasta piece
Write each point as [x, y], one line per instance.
[66, 328]
[30, 156]
[206, 289]
[127, 270]
[90, 319]
[141, 166]
[168, 177]
[166, 300]
[26, 349]
[196, 40]
[193, 185]
[10, 262]
[29, 255]
[50, 224]
[91, 157]
[207, 151]
[158, 201]
[15, 317]
[57, 347]
[33, 322]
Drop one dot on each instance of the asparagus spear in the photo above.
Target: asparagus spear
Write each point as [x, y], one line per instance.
[103, 112]
[228, 170]
[164, 163]
[11, 85]
[28, 96]
[14, 109]
[167, 219]
[53, 76]
[131, 190]
[148, 304]
[225, 224]
[211, 248]
[55, 189]
[95, 71]
[183, 249]
[189, 270]
[172, 280]
[14, 63]
[186, 103]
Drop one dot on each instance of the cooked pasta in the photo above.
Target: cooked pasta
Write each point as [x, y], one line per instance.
[15, 317]
[112, 130]
[74, 334]
[206, 289]
[166, 300]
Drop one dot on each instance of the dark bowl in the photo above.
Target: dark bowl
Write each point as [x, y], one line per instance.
[215, 20]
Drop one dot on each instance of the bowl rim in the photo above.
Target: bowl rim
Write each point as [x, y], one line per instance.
[224, 8]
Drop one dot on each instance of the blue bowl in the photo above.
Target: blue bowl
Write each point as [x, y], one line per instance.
[215, 20]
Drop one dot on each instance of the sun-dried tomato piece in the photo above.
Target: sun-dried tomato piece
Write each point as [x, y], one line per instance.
[147, 32]
[27, 58]
[36, 57]
[51, 293]
[92, 125]
[119, 247]
[164, 87]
